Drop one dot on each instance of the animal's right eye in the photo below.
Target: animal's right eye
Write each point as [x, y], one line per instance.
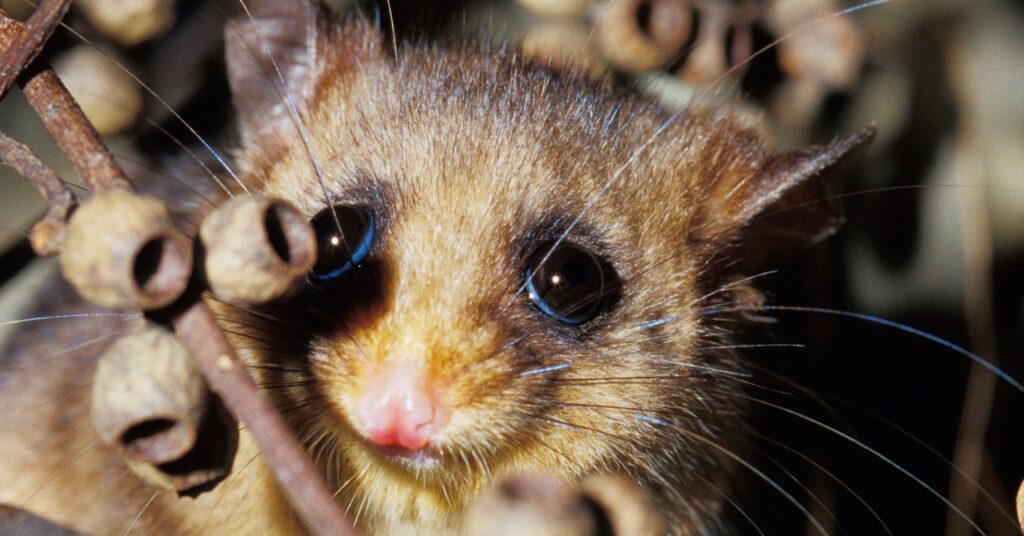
[344, 236]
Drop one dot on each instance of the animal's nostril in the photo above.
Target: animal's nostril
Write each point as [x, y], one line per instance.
[399, 407]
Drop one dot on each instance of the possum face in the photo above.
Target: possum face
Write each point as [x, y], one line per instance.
[513, 268]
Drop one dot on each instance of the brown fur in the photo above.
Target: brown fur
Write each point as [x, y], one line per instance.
[471, 159]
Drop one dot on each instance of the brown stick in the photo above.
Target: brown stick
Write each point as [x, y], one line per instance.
[28, 43]
[48, 234]
[59, 112]
[74, 134]
[43, 177]
[979, 397]
[196, 326]
[227, 376]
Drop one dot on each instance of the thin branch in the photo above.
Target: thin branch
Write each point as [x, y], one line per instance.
[59, 112]
[29, 41]
[977, 243]
[48, 234]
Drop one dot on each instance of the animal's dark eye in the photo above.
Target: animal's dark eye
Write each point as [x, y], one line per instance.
[568, 283]
[344, 235]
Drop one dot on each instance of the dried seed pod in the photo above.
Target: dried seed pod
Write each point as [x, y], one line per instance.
[148, 397]
[821, 46]
[557, 8]
[625, 505]
[108, 95]
[796, 102]
[201, 468]
[709, 58]
[47, 235]
[256, 249]
[1020, 507]
[122, 251]
[151, 404]
[535, 504]
[129, 22]
[563, 45]
[643, 35]
[822, 54]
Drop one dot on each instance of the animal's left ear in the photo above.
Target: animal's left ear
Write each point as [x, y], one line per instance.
[790, 204]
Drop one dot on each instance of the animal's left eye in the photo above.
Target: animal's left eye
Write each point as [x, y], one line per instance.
[568, 282]
[344, 235]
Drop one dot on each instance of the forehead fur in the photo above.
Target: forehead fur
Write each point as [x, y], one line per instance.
[478, 135]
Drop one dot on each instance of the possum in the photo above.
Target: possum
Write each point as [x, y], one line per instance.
[519, 270]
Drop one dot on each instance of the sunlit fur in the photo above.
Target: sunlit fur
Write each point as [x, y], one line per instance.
[471, 159]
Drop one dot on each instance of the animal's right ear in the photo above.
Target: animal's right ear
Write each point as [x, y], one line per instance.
[276, 53]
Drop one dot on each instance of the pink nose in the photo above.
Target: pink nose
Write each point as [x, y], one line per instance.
[399, 408]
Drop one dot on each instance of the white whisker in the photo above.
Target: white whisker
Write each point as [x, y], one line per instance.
[138, 516]
[733, 284]
[652, 420]
[760, 474]
[834, 478]
[654, 323]
[753, 346]
[545, 370]
[69, 316]
[293, 112]
[874, 453]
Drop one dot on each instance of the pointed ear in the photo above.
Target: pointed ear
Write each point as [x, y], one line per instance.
[790, 205]
[274, 59]
[285, 33]
[280, 55]
[297, 42]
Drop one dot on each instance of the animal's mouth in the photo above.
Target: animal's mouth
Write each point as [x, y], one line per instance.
[419, 459]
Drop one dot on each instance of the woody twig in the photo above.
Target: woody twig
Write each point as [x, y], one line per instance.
[48, 234]
[142, 261]
[22, 47]
[46, 94]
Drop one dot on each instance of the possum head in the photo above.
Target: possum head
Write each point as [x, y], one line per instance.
[513, 266]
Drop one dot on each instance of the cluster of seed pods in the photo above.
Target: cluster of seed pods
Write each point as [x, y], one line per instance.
[157, 393]
[811, 49]
[150, 399]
